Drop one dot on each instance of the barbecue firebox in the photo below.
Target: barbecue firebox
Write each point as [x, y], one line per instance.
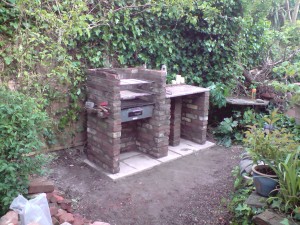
[144, 114]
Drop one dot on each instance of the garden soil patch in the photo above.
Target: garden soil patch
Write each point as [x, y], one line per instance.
[190, 190]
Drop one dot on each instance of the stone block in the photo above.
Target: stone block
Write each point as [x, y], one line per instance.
[255, 200]
[269, 217]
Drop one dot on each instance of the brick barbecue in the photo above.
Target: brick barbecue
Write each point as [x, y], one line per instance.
[141, 113]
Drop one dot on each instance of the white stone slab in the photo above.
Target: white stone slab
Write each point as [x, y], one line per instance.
[141, 162]
[125, 170]
[127, 155]
[187, 147]
[196, 146]
[171, 156]
[182, 149]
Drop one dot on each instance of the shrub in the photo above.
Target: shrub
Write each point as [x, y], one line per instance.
[22, 124]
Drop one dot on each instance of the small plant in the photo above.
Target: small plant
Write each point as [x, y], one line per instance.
[269, 146]
[22, 125]
[288, 172]
[224, 132]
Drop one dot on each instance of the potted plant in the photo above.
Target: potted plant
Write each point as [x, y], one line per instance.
[267, 147]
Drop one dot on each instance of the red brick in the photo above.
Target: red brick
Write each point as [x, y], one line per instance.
[66, 205]
[53, 210]
[56, 198]
[10, 217]
[60, 213]
[66, 217]
[40, 185]
[79, 220]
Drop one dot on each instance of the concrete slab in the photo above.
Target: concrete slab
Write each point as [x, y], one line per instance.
[171, 156]
[125, 170]
[141, 162]
[127, 155]
[135, 162]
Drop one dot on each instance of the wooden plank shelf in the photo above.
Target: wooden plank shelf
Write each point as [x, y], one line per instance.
[134, 82]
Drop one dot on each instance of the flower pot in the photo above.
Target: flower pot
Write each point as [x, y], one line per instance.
[264, 179]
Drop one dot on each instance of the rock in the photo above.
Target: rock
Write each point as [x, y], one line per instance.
[269, 217]
[55, 221]
[56, 198]
[257, 201]
[100, 223]
[10, 217]
[66, 217]
[40, 185]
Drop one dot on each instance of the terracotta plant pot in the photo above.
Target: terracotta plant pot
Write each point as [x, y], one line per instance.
[264, 179]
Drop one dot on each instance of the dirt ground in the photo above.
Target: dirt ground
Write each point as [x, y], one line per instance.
[189, 190]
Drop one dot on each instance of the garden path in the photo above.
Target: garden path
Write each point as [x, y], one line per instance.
[188, 190]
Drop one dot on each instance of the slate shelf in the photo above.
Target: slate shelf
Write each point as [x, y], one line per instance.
[133, 94]
[134, 82]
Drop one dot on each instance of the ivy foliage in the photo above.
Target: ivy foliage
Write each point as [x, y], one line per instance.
[199, 45]
[22, 124]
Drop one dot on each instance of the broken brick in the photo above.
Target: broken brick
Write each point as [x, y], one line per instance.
[55, 221]
[10, 217]
[56, 198]
[60, 212]
[78, 220]
[66, 217]
[66, 205]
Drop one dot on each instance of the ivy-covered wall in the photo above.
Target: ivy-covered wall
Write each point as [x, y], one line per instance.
[45, 48]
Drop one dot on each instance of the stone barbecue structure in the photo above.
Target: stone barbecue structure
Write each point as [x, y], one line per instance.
[141, 113]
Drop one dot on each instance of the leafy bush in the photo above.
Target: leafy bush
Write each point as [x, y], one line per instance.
[232, 129]
[22, 124]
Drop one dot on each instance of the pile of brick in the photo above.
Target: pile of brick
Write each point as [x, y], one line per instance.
[61, 210]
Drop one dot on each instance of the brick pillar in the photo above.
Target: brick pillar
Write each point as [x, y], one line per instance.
[194, 117]
[103, 134]
[175, 121]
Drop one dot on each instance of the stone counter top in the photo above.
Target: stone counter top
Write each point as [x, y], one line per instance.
[183, 89]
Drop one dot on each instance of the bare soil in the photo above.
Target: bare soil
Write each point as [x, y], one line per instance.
[189, 190]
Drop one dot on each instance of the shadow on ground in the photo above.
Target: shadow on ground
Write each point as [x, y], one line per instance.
[185, 191]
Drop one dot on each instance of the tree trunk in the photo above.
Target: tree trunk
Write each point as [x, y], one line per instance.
[295, 12]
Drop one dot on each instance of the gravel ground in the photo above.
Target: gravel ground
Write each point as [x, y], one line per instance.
[189, 190]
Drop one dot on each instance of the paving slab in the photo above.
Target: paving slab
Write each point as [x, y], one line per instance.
[127, 155]
[171, 156]
[141, 162]
[126, 171]
[135, 162]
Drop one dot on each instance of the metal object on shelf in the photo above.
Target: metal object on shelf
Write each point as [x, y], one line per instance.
[136, 109]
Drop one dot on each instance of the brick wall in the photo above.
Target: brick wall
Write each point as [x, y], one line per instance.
[175, 121]
[128, 136]
[195, 117]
